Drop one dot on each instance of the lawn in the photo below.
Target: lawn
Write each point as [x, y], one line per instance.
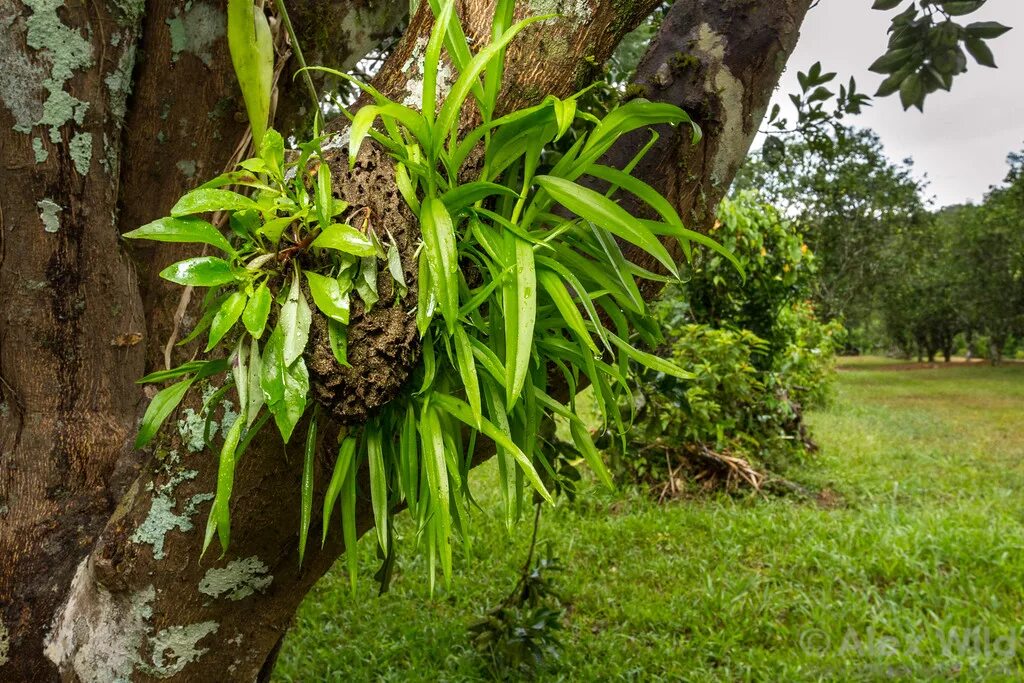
[909, 566]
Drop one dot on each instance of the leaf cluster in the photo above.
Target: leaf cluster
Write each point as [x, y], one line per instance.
[928, 47]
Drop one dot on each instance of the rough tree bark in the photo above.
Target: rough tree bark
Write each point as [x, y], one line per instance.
[99, 571]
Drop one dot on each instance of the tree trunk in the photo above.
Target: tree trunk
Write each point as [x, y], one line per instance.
[81, 322]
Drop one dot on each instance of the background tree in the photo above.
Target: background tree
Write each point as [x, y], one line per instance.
[989, 248]
[848, 200]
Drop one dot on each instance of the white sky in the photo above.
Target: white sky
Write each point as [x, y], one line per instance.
[961, 140]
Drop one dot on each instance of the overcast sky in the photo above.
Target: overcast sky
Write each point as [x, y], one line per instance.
[961, 140]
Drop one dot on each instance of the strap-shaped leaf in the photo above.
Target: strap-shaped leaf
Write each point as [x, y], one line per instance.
[439, 244]
[467, 371]
[252, 54]
[470, 77]
[462, 412]
[602, 211]
[563, 301]
[306, 488]
[363, 120]
[378, 483]
[342, 464]
[649, 360]
[432, 443]
[520, 308]
[467, 194]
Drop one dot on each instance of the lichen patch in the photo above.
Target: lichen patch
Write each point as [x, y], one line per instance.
[67, 51]
[576, 11]
[40, 152]
[49, 214]
[80, 150]
[176, 647]
[5, 644]
[104, 637]
[730, 92]
[20, 79]
[238, 580]
[195, 30]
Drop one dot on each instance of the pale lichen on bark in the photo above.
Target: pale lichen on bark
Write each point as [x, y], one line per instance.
[238, 580]
[106, 637]
[49, 214]
[5, 643]
[68, 52]
[729, 89]
[195, 30]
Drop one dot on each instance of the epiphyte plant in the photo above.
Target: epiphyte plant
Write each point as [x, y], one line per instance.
[522, 285]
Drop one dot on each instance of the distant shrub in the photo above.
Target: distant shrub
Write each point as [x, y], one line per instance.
[758, 354]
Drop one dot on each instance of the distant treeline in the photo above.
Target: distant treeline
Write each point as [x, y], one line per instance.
[902, 278]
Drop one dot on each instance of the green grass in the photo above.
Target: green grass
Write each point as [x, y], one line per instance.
[922, 539]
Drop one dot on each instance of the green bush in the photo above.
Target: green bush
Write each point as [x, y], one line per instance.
[758, 354]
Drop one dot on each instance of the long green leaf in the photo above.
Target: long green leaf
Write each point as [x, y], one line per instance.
[162, 405]
[467, 194]
[439, 244]
[306, 503]
[462, 412]
[188, 229]
[563, 301]
[469, 78]
[467, 371]
[581, 292]
[602, 211]
[362, 125]
[650, 360]
[432, 59]
[225, 483]
[520, 297]
[432, 440]
[378, 483]
[346, 455]
[252, 54]
[348, 525]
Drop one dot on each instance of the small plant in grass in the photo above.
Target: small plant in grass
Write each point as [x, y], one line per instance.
[521, 636]
[517, 271]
